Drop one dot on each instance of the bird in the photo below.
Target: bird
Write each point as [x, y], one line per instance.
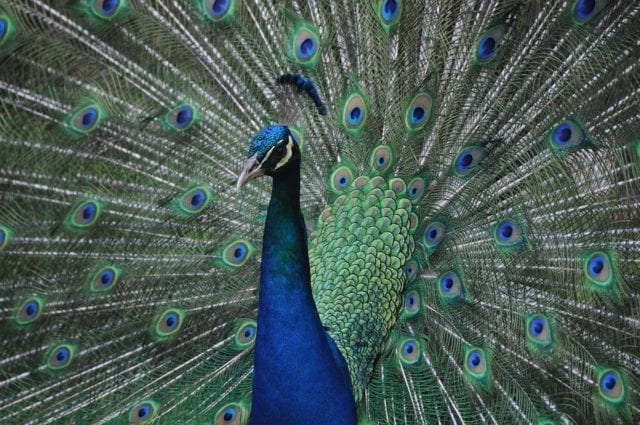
[309, 212]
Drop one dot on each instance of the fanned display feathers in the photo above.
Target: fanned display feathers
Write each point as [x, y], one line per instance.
[470, 185]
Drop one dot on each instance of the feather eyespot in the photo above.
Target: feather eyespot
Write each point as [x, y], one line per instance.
[60, 356]
[218, 9]
[568, 136]
[416, 188]
[6, 28]
[104, 279]
[489, 44]
[29, 311]
[354, 112]
[340, 178]
[475, 363]
[193, 200]
[181, 118]
[433, 235]
[412, 303]
[508, 235]
[168, 323]
[5, 237]
[230, 414]
[411, 269]
[450, 286]
[409, 351]
[246, 334]
[586, 10]
[539, 331]
[599, 269]
[468, 161]
[382, 159]
[237, 253]
[390, 11]
[305, 45]
[143, 413]
[84, 215]
[611, 385]
[106, 9]
[86, 119]
[418, 112]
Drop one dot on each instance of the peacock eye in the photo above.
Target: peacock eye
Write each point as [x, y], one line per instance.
[29, 310]
[246, 334]
[86, 119]
[181, 118]
[409, 351]
[305, 45]
[488, 44]
[508, 236]
[5, 237]
[231, 414]
[585, 10]
[611, 385]
[218, 9]
[416, 188]
[433, 235]
[450, 286]
[539, 331]
[468, 161]
[143, 412]
[105, 9]
[418, 112]
[412, 303]
[84, 215]
[104, 279]
[598, 269]
[168, 322]
[475, 362]
[60, 356]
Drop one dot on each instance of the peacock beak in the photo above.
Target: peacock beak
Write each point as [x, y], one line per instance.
[250, 171]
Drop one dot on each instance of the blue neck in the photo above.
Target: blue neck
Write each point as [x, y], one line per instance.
[300, 376]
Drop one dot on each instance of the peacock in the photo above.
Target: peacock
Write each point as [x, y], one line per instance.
[320, 212]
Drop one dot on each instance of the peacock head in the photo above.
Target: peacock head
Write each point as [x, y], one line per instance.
[271, 152]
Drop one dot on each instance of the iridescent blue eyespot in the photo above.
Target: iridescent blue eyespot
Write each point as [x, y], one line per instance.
[86, 119]
[585, 10]
[433, 235]
[5, 237]
[305, 45]
[84, 215]
[568, 136]
[450, 286]
[611, 385]
[411, 269]
[409, 351]
[105, 8]
[219, 8]
[390, 10]
[488, 44]
[468, 161]
[60, 356]
[415, 189]
[476, 363]
[143, 412]
[599, 269]
[340, 178]
[508, 236]
[245, 333]
[231, 414]
[168, 322]
[487, 47]
[29, 311]
[418, 112]
[412, 303]
[181, 118]
[354, 113]
[104, 279]
[3, 27]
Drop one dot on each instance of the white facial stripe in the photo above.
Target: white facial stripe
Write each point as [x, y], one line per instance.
[288, 156]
